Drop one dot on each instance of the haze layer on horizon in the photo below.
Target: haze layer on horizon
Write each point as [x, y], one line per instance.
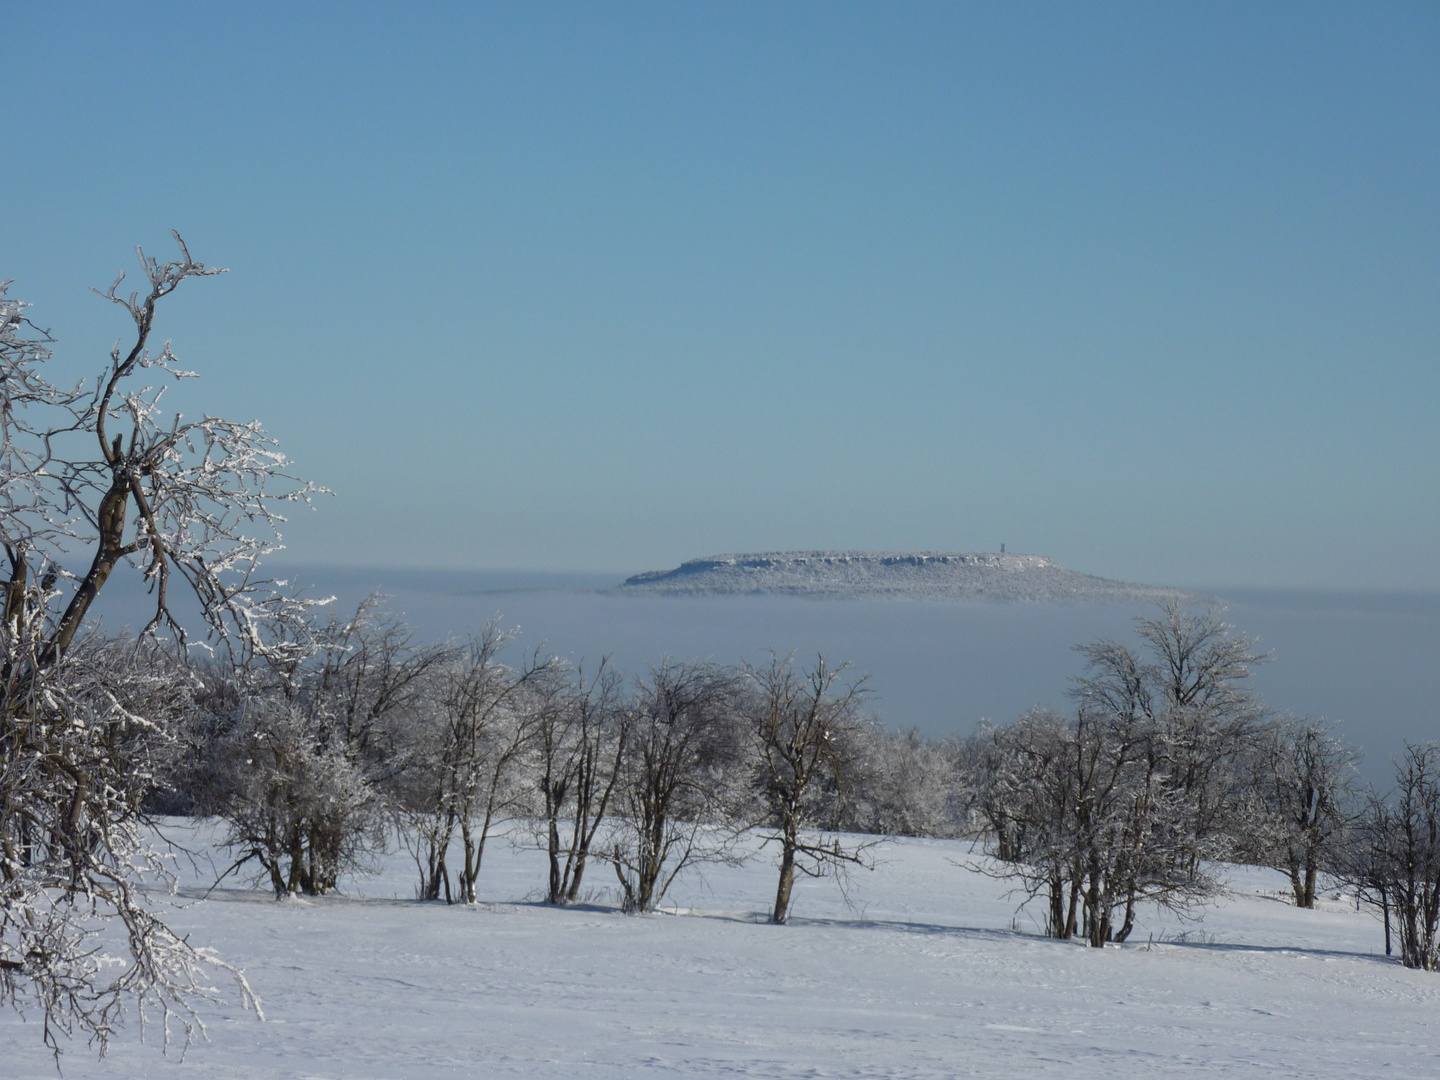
[1146, 289]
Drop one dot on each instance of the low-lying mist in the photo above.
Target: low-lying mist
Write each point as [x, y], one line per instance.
[1369, 660]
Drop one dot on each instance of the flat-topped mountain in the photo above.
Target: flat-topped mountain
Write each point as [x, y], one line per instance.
[939, 575]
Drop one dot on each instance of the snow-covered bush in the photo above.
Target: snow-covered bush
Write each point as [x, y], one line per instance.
[908, 785]
[304, 810]
[305, 760]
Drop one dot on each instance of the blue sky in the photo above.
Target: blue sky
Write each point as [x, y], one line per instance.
[1151, 289]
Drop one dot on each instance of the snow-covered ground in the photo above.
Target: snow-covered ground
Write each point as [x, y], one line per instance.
[926, 972]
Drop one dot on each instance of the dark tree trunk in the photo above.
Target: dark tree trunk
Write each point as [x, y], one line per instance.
[1129, 923]
[1056, 923]
[1385, 916]
[787, 882]
[556, 894]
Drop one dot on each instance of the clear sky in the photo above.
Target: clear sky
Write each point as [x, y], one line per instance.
[1153, 289]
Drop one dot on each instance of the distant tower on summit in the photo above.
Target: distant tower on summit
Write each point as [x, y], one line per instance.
[1002, 549]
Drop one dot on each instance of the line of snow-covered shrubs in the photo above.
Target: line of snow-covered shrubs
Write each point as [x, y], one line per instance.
[1167, 764]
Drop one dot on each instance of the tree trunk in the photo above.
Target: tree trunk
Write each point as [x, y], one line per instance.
[471, 870]
[1129, 923]
[1097, 921]
[556, 894]
[572, 891]
[1385, 915]
[787, 882]
[1297, 888]
[1056, 922]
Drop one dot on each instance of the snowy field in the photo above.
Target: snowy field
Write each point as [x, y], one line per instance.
[925, 972]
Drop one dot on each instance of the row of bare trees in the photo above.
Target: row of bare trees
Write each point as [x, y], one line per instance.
[1393, 859]
[313, 765]
[1170, 763]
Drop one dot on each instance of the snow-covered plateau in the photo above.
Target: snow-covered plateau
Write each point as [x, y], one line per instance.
[938, 575]
[921, 969]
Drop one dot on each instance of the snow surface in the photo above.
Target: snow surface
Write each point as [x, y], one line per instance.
[938, 575]
[927, 972]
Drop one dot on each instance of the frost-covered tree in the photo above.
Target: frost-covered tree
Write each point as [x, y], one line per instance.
[678, 779]
[305, 758]
[465, 761]
[1394, 857]
[807, 740]
[1195, 685]
[304, 811]
[909, 785]
[1126, 800]
[1025, 789]
[580, 734]
[1303, 784]
[96, 480]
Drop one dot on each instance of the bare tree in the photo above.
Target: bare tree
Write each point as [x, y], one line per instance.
[1189, 689]
[1366, 864]
[1395, 862]
[308, 755]
[1025, 788]
[465, 761]
[95, 473]
[1126, 801]
[807, 738]
[676, 774]
[580, 736]
[1304, 780]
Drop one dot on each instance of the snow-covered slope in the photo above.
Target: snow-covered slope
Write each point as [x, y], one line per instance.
[947, 575]
[926, 973]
